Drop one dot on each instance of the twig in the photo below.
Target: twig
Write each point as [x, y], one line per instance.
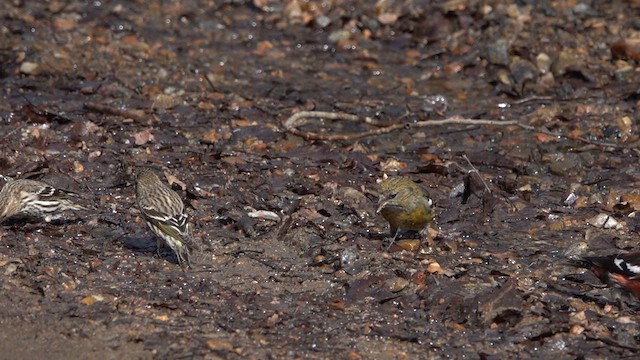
[10, 133]
[303, 117]
[296, 120]
[137, 115]
[206, 78]
[611, 341]
[534, 98]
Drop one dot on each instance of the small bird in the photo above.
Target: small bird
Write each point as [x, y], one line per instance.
[34, 199]
[164, 213]
[405, 205]
[621, 270]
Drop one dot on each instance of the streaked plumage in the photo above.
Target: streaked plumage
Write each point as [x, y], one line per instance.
[35, 199]
[164, 212]
[405, 205]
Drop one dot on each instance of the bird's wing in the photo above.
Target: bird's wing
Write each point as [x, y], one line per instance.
[624, 264]
[161, 219]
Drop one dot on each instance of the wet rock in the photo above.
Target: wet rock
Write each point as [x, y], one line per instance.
[166, 101]
[584, 9]
[500, 305]
[353, 198]
[397, 284]
[339, 36]
[605, 221]
[322, 21]
[350, 261]
[566, 164]
[497, 53]
[571, 199]
[522, 72]
[567, 58]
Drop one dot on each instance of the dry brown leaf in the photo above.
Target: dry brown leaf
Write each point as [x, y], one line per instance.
[174, 180]
[392, 165]
[143, 137]
[219, 344]
[262, 47]
[211, 136]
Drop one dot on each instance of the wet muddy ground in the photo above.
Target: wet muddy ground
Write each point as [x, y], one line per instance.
[90, 90]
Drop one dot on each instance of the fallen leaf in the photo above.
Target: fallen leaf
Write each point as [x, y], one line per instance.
[143, 137]
[219, 344]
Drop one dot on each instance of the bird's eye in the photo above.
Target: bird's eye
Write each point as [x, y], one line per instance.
[392, 196]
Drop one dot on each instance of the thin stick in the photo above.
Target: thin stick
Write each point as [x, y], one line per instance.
[206, 78]
[296, 120]
[11, 132]
[301, 118]
[137, 115]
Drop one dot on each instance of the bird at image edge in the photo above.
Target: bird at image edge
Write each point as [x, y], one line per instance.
[34, 199]
[621, 270]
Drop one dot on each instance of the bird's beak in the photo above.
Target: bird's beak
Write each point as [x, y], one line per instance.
[382, 202]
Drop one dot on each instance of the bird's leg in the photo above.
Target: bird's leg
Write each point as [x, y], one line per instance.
[424, 237]
[395, 236]
[158, 248]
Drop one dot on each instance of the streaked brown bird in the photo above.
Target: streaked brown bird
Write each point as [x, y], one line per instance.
[164, 213]
[34, 199]
[405, 205]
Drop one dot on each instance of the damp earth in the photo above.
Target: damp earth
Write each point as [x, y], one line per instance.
[294, 262]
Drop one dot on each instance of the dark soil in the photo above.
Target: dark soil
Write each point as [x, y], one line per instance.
[91, 90]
